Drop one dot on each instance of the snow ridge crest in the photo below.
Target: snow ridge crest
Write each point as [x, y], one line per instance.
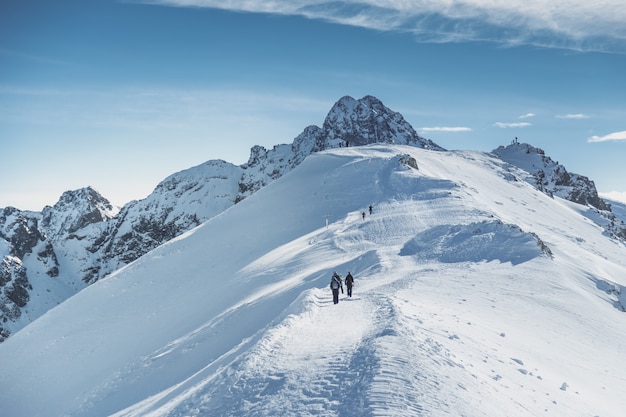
[84, 232]
[83, 238]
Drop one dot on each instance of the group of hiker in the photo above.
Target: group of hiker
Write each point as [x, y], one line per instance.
[336, 281]
[336, 284]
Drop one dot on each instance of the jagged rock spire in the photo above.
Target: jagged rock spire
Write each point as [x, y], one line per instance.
[367, 121]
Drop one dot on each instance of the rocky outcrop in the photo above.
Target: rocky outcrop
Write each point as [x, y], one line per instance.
[350, 122]
[553, 179]
[74, 211]
[550, 177]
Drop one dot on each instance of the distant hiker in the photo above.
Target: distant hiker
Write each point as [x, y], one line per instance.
[370, 209]
[347, 144]
[363, 214]
[335, 286]
[349, 283]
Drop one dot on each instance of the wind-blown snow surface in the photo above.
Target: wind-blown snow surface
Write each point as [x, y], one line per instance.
[475, 295]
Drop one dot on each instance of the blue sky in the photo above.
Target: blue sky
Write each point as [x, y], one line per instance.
[120, 94]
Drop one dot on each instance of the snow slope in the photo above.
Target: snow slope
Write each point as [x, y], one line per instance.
[475, 295]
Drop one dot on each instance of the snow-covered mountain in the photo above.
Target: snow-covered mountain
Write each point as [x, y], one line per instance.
[476, 294]
[555, 180]
[40, 254]
[550, 176]
[49, 256]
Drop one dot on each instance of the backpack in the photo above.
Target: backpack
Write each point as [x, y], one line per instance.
[349, 280]
[335, 283]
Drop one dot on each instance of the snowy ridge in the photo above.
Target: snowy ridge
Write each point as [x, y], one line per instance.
[83, 238]
[50, 256]
[553, 179]
[178, 203]
[235, 318]
[550, 176]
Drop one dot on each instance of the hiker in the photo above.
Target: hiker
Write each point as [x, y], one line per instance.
[370, 209]
[349, 283]
[335, 286]
[363, 214]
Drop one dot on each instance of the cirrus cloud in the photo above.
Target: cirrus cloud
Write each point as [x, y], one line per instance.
[572, 116]
[619, 196]
[615, 136]
[571, 24]
[454, 129]
[510, 125]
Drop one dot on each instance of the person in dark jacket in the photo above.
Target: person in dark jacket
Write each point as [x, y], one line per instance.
[335, 285]
[349, 283]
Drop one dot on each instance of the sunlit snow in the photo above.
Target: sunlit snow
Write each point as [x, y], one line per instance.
[475, 295]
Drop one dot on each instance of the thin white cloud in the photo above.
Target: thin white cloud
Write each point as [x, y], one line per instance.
[527, 115]
[453, 129]
[226, 113]
[615, 136]
[572, 24]
[29, 57]
[509, 125]
[572, 116]
[619, 196]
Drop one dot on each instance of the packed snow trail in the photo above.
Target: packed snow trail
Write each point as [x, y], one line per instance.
[400, 346]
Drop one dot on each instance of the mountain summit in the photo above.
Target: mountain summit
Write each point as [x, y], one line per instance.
[365, 121]
[550, 176]
[350, 122]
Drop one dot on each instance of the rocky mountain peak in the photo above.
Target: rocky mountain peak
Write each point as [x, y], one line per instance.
[75, 210]
[349, 122]
[365, 121]
[551, 177]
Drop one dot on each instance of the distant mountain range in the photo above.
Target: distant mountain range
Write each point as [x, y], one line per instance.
[49, 256]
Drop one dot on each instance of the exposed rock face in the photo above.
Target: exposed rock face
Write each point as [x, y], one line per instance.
[75, 210]
[29, 243]
[20, 229]
[359, 122]
[179, 203]
[14, 290]
[550, 177]
[18, 236]
[350, 122]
